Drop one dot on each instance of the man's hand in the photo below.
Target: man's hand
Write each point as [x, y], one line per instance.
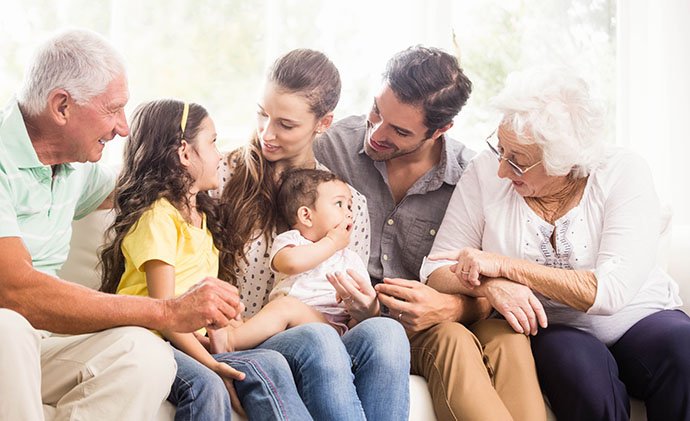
[415, 305]
[211, 303]
[517, 303]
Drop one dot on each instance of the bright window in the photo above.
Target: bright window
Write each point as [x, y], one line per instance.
[216, 53]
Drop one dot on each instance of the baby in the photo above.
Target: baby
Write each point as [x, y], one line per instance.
[317, 206]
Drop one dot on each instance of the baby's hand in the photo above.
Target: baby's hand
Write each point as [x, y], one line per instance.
[340, 235]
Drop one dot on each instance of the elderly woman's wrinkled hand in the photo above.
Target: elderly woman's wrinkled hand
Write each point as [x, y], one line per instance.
[472, 264]
[356, 293]
[517, 303]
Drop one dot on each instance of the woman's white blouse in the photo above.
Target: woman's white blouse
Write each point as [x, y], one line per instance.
[255, 279]
[613, 232]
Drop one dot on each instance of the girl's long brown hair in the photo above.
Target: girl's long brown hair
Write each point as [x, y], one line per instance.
[152, 170]
[248, 202]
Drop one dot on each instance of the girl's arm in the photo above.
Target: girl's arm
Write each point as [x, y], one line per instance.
[160, 280]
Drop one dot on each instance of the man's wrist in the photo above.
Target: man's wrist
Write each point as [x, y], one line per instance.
[162, 314]
[470, 309]
[456, 307]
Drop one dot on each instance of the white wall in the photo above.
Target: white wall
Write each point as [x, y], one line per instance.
[654, 93]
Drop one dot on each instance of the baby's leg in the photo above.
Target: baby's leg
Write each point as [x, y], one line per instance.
[277, 316]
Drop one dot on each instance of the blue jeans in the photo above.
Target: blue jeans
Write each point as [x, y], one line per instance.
[267, 392]
[364, 373]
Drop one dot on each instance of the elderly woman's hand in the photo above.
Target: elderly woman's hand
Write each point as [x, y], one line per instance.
[517, 303]
[357, 294]
[471, 263]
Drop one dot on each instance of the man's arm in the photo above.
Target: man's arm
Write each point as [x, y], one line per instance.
[63, 307]
[108, 202]
[517, 303]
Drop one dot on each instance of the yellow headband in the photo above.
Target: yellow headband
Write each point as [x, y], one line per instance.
[183, 122]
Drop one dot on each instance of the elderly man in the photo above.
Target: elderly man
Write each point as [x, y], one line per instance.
[71, 103]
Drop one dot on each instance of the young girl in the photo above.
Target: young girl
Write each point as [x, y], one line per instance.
[163, 244]
[317, 205]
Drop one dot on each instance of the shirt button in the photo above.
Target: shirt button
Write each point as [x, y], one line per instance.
[432, 232]
[385, 257]
[391, 222]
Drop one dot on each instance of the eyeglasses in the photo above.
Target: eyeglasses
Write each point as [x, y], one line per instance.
[518, 170]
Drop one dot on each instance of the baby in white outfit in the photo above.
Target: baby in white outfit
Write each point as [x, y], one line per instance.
[317, 206]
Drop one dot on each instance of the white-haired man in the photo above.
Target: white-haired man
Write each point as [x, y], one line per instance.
[71, 103]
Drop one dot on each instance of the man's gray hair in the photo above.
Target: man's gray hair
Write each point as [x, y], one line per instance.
[79, 61]
[553, 108]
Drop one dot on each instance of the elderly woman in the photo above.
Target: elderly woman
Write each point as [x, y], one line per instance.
[560, 228]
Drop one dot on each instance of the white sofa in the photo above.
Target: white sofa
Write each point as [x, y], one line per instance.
[674, 253]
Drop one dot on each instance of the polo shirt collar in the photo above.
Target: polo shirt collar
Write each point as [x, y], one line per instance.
[17, 142]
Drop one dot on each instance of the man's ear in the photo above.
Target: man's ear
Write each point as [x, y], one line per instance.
[304, 216]
[59, 106]
[184, 152]
[441, 131]
[324, 123]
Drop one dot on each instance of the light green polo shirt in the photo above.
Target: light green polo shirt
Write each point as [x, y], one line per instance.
[37, 206]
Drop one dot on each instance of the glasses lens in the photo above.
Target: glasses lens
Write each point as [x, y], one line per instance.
[493, 140]
[517, 170]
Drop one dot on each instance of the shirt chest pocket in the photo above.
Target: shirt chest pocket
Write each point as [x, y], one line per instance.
[419, 239]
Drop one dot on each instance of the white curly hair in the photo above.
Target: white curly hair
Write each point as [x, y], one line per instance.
[79, 61]
[553, 108]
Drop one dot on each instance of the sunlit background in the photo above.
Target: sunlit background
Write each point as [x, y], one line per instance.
[636, 54]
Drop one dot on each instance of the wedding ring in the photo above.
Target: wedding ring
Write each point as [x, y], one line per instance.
[347, 299]
[400, 316]
[465, 272]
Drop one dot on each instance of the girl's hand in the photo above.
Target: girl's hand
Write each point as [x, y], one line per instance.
[340, 235]
[517, 303]
[357, 294]
[471, 263]
[228, 374]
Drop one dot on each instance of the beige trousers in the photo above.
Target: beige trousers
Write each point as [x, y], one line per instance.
[485, 372]
[118, 374]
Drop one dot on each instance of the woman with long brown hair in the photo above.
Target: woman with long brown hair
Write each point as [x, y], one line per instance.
[366, 372]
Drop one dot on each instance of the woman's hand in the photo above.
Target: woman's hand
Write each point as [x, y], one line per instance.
[517, 303]
[357, 294]
[228, 375]
[472, 263]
